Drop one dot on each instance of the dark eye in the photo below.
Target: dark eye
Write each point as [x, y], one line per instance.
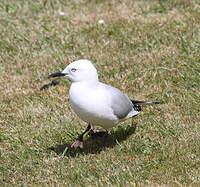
[73, 69]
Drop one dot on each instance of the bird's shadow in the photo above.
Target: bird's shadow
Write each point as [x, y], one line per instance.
[95, 146]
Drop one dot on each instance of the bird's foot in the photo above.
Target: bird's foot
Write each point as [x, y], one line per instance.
[77, 143]
[98, 133]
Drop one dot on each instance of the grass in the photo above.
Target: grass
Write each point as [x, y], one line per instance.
[148, 49]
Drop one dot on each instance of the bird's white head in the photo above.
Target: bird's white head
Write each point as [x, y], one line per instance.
[80, 70]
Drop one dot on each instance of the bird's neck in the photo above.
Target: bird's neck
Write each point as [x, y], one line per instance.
[93, 83]
[82, 88]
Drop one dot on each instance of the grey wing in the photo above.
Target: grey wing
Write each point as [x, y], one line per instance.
[120, 103]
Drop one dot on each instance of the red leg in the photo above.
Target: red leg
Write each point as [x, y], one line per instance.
[79, 140]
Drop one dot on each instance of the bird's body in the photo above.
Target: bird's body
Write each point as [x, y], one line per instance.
[97, 105]
[94, 102]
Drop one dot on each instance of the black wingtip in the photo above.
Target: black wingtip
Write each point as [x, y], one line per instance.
[156, 102]
[145, 102]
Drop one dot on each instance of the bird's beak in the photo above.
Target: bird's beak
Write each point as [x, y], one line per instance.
[57, 74]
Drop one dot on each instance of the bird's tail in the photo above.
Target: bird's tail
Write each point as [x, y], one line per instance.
[135, 102]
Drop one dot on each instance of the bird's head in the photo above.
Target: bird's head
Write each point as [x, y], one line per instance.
[80, 70]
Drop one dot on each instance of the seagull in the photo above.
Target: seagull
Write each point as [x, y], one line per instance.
[94, 102]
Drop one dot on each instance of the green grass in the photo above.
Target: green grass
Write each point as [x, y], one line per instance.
[149, 49]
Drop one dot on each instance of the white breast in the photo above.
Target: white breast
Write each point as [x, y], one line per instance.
[91, 105]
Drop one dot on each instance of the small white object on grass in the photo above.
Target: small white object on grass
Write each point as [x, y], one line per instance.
[94, 102]
[101, 22]
[61, 13]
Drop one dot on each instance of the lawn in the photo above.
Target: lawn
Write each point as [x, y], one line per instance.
[148, 49]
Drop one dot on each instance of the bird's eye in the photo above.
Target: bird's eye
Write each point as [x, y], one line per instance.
[73, 69]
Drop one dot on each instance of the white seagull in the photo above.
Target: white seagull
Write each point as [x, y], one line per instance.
[96, 103]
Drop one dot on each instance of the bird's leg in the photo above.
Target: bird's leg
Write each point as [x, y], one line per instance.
[79, 140]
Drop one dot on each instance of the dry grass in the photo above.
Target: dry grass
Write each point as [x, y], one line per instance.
[149, 49]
